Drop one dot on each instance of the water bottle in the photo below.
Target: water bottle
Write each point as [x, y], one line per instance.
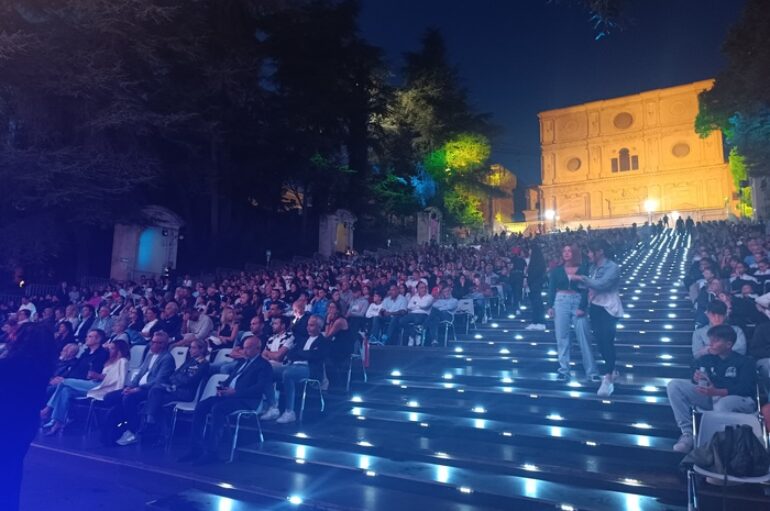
[703, 382]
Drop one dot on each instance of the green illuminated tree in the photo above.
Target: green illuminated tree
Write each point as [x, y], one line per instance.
[739, 102]
[429, 124]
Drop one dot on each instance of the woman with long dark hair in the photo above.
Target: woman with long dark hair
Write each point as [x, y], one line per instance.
[24, 376]
[568, 305]
[536, 275]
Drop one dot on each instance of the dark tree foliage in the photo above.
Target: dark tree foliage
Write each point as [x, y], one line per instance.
[249, 118]
[739, 102]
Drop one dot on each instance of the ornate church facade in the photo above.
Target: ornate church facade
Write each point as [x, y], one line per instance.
[622, 160]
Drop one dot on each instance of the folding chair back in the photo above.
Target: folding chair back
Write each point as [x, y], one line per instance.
[180, 355]
[465, 306]
[210, 390]
[221, 357]
[137, 354]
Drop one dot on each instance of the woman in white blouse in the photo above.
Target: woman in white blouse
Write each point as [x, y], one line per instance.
[151, 315]
[113, 377]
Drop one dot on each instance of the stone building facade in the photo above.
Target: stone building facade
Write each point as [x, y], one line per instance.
[608, 162]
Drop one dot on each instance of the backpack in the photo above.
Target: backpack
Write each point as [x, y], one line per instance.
[736, 451]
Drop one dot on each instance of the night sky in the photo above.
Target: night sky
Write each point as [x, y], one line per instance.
[520, 57]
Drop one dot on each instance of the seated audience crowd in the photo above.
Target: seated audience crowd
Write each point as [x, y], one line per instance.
[727, 280]
[268, 331]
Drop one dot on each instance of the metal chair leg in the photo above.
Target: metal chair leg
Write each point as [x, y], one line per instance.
[259, 427]
[350, 373]
[88, 418]
[321, 395]
[302, 404]
[170, 438]
[692, 492]
[235, 437]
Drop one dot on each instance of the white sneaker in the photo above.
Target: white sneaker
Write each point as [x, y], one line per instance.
[288, 416]
[685, 443]
[531, 326]
[127, 438]
[270, 415]
[607, 387]
[536, 326]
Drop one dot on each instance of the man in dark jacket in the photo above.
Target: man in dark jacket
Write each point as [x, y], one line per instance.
[305, 360]
[87, 319]
[723, 381]
[242, 390]
[183, 385]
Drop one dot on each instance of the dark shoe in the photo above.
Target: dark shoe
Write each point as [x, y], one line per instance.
[190, 457]
[564, 377]
[208, 458]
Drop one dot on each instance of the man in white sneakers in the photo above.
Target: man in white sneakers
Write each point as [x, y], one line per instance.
[723, 380]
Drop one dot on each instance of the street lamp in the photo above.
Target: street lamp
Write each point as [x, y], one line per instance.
[650, 205]
[550, 215]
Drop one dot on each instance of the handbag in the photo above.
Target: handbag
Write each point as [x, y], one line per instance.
[736, 452]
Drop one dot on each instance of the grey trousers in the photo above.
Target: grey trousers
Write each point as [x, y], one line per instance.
[682, 396]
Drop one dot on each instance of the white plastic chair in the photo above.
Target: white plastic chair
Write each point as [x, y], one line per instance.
[358, 354]
[209, 389]
[465, 306]
[316, 383]
[714, 422]
[238, 415]
[447, 324]
[91, 416]
[180, 355]
[221, 357]
[137, 353]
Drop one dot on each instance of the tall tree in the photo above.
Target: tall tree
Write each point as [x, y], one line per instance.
[739, 102]
[328, 83]
[432, 137]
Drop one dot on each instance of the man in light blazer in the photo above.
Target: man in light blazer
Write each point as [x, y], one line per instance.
[156, 369]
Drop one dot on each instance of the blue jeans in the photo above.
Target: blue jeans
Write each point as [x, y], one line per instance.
[293, 375]
[270, 399]
[565, 307]
[68, 389]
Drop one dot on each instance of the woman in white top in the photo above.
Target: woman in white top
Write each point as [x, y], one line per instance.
[374, 311]
[113, 377]
[151, 316]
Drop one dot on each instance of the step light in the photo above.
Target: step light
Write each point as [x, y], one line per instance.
[295, 500]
